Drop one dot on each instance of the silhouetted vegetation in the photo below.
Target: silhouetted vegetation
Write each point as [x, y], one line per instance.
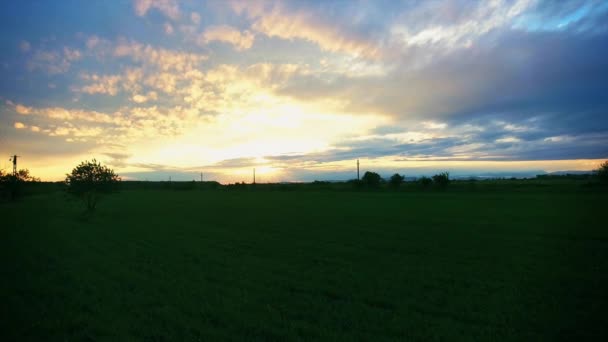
[425, 182]
[602, 172]
[355, 183]
[371, 179]
[555, 183]
[442, 179]
[12, 185]
[89, 180]
[318, 183]
[396, 180]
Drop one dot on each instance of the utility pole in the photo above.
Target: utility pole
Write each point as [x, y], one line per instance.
[14, 159]
[357, 169]
[201, 177]
[254, 175]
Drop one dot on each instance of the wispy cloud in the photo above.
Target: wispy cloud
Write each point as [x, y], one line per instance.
[274, 19]
[25, 46]
[223, 33]
[169, 8]
[53, 61]
[455, 23]
[163, 59]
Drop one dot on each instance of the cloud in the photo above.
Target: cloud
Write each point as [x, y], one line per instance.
[169, 8]
[247, 162]
[92, 42]
[23, 110]
[227, 34]
[138, 98]
[165, 82]
[168, 28]
[163, 59]
[560, 138]
[76, 133]
[50, 61]
[129, 80]
[122, 126]
[24, 46]
[149, 66]
[454, 23]
[19, 125]
[508, 139]
[275, 19]
[228, 88]
[74, 115]
[512, 71]
[106, 84]
[117, 159]
[53, 61]
[434, 125]
[71, 54]
[195, 18]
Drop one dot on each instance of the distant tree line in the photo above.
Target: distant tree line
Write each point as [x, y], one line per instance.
[374, 180]
[442, 180]
[90, 180]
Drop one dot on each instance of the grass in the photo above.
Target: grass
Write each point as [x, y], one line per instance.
[269, 265]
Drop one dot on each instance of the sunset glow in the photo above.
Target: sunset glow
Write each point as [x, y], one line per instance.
[300, 90]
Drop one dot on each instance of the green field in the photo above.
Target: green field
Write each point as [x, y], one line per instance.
[162, 265]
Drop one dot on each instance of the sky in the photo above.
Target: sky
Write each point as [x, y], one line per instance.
[299, 90]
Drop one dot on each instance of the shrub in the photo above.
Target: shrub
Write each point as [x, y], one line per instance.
[602, 172]
[371, 179]
[442, 179]
[425, 181]
[89, 180]
[396, 180]
[11, 185]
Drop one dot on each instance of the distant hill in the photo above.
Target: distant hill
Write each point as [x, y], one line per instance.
[495, 175]
[563, 173]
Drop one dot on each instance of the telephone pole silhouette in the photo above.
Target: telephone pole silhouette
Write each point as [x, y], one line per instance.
[14, 160]
[254, 175]
[201, 177]
[357, 169]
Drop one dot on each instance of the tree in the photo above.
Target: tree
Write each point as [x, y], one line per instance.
[22, 175]
[425, 181]
[602, 172]
[442, 179]
[396, 180]
[89, 181]
[371, 179]
[11, 185]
